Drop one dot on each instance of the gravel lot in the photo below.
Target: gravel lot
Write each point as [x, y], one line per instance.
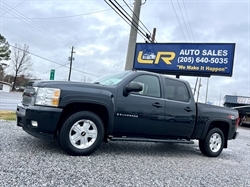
[27, 161]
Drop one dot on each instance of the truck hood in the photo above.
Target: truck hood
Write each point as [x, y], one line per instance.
[68, 84]
[74, 89]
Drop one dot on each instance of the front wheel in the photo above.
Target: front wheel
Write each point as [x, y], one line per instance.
[81, 134]
[213, 144]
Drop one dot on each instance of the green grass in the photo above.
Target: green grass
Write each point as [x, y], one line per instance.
[7, 115]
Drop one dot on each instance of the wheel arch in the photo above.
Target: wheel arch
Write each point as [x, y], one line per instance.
[98, 108]
[217, 123]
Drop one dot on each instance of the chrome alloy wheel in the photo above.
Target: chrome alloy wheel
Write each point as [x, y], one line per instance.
[215, 142]
[83, 134]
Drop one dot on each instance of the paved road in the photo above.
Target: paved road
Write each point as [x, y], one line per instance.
[9, 101]
[27, 161]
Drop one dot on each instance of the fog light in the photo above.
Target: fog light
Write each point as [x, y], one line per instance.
[34, 123]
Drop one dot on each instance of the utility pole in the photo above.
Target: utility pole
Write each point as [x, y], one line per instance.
[133, 35]
[207, 90]
[199, 86]
[220, 99]
[71, 58]
[195, 85]
[153, 35]
[83, 69]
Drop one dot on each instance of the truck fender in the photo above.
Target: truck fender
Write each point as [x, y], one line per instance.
[208, 124]
[107, 103]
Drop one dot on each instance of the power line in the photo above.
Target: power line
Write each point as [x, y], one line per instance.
[60, 73]
[41, 47]
[84, 51]
[63, 65]
[202, 29]
[62, 17]
[31, 42]
[178, 20]
[131, 17]
[183, 19]
[121, 14]
[35, 25]
[144, 2]
[128, 21]
[13, 8]
[136, 15]
[52, 61]
[188, 20]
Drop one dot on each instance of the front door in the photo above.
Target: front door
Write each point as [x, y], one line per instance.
[141, 114]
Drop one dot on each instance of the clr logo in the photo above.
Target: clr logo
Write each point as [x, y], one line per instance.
[165, 56]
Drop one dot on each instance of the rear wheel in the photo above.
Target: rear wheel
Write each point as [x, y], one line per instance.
[213, 144]
[81, 134]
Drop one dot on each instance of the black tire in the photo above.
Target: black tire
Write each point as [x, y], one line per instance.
[213, 144]
[81, 134]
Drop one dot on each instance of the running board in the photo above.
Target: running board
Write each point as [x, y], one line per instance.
[151, 140]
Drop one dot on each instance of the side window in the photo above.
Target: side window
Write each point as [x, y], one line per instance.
[1, 86]
[176, 90]
[150, 84]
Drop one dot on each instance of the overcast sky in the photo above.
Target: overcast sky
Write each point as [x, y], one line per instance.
[100, 36]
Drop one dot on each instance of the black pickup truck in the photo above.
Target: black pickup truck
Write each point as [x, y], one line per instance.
[125, 106]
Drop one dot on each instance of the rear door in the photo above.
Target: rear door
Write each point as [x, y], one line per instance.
[180, 109]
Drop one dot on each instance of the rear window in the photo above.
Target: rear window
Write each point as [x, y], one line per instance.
[176, 91]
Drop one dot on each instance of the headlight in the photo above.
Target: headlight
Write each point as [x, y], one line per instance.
[48, 96]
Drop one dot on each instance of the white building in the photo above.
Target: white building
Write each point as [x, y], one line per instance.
[4, 86]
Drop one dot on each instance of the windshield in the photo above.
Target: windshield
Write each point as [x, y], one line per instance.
[112, 79]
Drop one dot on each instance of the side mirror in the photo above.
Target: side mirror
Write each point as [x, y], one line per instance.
[132, 87]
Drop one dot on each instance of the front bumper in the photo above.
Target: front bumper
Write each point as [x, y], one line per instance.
[46, 118]
[235, 135]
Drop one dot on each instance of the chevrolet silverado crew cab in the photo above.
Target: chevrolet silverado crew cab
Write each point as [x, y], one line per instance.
[125, 106]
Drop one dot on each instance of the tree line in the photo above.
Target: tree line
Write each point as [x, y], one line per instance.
[15, 63]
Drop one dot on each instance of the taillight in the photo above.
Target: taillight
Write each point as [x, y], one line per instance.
[231, 117]
[237, 122]
[237, 119]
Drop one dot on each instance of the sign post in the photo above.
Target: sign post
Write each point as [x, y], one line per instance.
[52, 74]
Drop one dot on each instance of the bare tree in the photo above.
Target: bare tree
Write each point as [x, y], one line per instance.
[86, 79]
[20, 61]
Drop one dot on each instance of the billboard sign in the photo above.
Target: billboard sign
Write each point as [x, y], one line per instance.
[243, 100]
[197, 59]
